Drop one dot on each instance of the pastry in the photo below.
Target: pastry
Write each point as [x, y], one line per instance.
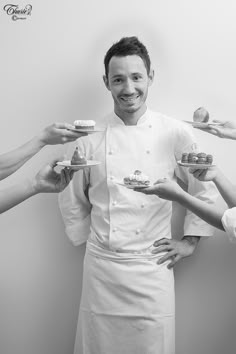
[184, 158]
[84, 124]
[137, 179]
[78, 158]
[209, 159]
[201, 115]
[194, 158]
[201, 158]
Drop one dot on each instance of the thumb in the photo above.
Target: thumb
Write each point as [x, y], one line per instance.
[161, 180]
[53, 162]
[219, 121]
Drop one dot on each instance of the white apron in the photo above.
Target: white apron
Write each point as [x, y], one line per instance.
[127, 304]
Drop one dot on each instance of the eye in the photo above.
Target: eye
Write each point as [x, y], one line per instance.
[117, 81]
[137, 78]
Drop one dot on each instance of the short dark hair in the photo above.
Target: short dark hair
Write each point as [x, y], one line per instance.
[127, 46]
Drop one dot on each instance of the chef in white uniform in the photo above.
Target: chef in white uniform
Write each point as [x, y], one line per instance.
[127, 304]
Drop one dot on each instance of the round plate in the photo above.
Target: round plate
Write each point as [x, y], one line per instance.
[199, 166]
[86, 131]
[202, 125]
[132, 186]
[67, 163]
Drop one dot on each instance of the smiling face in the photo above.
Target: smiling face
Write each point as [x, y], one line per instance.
[128, 82]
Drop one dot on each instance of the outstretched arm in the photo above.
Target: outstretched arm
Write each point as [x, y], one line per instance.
[170, 190]
[226, 130]
[56, 133]
[46, 181]
[224, 186]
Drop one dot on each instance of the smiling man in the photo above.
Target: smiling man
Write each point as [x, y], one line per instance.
[127, 303]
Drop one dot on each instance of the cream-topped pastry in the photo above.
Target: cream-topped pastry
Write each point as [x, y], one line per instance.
[137, 178]
[84, 124]
[78, 158]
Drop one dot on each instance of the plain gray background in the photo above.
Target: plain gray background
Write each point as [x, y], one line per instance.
[51, 68]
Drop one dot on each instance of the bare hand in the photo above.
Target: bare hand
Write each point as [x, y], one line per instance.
[227, 130]
[176, 250]
[204, 175]
[164, 188]
[49, 181]
[58, 133]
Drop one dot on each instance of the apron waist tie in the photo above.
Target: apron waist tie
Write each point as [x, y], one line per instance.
[120, 255]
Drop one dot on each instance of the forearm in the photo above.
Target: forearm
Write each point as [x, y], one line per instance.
[203, 210]
[15, 195]
[13, 160]
[226, 189]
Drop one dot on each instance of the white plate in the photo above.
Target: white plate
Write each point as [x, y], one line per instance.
[202, 125]
[199, 166]
[132, 186]
[87, 131]
[67, 163]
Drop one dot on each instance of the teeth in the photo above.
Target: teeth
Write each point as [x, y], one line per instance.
[129, 99]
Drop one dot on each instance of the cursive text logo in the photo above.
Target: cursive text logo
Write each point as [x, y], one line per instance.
[18, 13]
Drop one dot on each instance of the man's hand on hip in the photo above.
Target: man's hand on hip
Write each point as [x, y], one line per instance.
[176, 249]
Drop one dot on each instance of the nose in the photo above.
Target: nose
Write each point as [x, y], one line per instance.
[129, 87]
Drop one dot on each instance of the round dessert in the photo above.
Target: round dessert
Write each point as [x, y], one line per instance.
[209, 159]
[201, 158]
[84, 124]
[201, 115]
[137, 179]
[194, 158]
[184, 158]
[78, 158]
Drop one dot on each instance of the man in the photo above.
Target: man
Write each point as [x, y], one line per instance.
[127, 303]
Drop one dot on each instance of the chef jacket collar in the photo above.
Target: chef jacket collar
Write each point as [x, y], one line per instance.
[142, 120]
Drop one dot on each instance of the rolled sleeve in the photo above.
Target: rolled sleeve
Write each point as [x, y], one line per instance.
[229, 223]
[75, 209]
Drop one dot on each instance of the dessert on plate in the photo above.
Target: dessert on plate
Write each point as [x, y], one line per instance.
[137, 179]
[78, 158]
[84, 124]
[201, 115]
[194, 158]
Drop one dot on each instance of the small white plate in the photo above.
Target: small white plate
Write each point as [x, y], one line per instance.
[199, 166]
[132, 186]
[87, 131]
[202, 125]
[67, 163]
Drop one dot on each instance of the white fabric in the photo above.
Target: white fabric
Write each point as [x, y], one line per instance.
[229, 223]
[121, 221]
[128, 306]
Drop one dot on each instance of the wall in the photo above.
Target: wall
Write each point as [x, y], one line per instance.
[51, 68]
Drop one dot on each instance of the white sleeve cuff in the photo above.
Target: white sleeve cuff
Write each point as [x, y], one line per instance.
[229, 223]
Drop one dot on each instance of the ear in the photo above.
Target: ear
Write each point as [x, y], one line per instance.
[106, 82]
[151, 77]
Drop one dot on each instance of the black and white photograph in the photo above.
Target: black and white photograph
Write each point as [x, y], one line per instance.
[117, 182]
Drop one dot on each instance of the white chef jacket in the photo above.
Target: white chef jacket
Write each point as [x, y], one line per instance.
[229, 223]
[96, 206]
[127, 302]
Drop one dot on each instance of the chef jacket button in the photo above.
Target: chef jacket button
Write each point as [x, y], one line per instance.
[111, 152]
[148, 151]
[114, 229]
[111, 177]
[142, 205]
[91, 157]
[114, 202]
[138, 231]
[150, 126]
